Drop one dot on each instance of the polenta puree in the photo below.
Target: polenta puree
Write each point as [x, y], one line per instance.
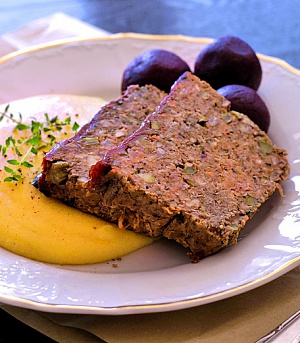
[42, 228]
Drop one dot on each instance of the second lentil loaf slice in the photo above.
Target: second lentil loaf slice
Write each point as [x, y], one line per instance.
[66, 167]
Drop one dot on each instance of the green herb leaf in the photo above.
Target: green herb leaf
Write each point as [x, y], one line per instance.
[27, 164]
[13, 162]
[22, 127]
[68, 120]
[75, 127]
[11, 178]
[8, 170]
[38, 136]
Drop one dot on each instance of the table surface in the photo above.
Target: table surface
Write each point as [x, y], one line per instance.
[271, 27]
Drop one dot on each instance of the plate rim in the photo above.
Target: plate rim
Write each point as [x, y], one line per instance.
[158, 307]
[138, 36]
[153, 308]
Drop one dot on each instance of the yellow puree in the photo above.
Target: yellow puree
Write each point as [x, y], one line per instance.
[43, 229]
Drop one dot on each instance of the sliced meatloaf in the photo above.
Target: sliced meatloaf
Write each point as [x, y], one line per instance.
[194, 172]
[66, 167]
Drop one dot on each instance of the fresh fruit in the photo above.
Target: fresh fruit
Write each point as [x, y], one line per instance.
[228, 60]
[246, 100]
[158, 67]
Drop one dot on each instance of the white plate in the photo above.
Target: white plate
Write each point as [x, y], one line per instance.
[159, 277]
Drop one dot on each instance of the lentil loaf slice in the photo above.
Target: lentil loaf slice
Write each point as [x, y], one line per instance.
[194, 172]
[65, 169]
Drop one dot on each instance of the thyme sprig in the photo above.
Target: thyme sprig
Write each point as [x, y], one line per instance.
[39, 135]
